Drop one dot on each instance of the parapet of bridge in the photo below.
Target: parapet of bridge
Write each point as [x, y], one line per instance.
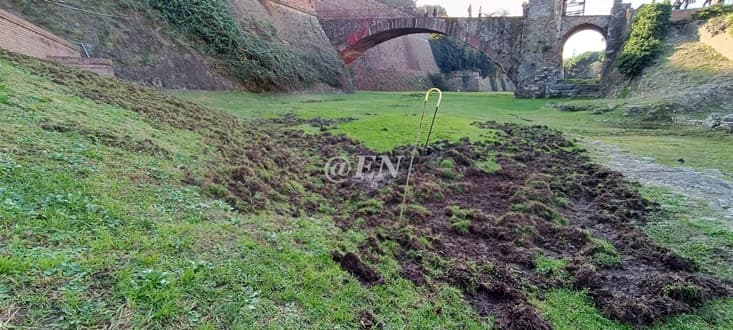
[528, 48]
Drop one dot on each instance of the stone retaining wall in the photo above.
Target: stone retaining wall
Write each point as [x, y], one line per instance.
[100, 66]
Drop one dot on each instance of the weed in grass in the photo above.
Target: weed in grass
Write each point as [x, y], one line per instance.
[460, 218]
[603, 253]
[546, 265]
[370, 206]
[489, 165]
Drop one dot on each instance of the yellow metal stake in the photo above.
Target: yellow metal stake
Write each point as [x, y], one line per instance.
[417, 141]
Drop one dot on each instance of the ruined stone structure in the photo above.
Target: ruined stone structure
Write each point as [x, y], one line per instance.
[528, 48]
[471, 81]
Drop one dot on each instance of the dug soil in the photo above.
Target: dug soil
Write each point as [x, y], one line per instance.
[548, 218]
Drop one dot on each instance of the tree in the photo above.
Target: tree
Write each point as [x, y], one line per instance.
[453, 55]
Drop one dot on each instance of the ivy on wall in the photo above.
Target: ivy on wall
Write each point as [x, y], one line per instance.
[650, 25]
[251, 50]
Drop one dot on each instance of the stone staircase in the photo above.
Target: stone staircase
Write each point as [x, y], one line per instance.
[567, 89]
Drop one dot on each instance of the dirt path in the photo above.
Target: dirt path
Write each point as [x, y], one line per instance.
[710, 185]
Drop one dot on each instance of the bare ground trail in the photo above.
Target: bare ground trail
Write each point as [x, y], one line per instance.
[709, 185]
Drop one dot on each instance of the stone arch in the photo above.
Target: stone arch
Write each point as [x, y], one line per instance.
[570, 31]
[496, 38]
[356, 49]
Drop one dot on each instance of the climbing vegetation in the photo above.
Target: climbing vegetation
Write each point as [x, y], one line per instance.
[645, 42]
[251, 50]
[453, 55]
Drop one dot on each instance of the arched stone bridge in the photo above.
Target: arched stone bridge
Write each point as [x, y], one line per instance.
[528, 48]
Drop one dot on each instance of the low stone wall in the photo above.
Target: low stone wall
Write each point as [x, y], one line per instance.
[100, 66]
[20, 36]
[573, 90]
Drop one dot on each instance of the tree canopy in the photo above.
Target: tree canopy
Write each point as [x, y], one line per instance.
[453, 55]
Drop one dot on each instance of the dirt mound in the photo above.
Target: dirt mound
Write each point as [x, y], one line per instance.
[352, 263]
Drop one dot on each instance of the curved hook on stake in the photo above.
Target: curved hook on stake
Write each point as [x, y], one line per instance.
[430, 92]
[435, 114]
[417, 141]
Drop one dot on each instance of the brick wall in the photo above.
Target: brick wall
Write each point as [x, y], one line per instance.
[20, 36]
[683, 15]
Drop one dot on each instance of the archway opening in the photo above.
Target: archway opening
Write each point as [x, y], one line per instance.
[583, 55]
[480, 74]
[464, 68]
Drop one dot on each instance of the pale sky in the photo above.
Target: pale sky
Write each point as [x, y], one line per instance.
[580, 42]
[459, 8]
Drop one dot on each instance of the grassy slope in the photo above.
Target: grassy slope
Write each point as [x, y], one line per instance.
[98, 230]
[686, 70]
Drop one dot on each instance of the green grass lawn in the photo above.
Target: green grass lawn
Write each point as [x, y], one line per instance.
[386, 120]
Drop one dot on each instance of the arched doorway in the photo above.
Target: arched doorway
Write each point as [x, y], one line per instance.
[583, 54]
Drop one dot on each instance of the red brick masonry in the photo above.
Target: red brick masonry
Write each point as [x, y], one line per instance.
[20, 36]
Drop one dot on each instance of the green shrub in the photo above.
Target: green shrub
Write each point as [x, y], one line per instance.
[251, 50]
[712, 11]
[645, 42]
[581, 68]
[438, 81]
[589, 57]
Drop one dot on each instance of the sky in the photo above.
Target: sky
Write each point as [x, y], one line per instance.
[577, 44]
[459, 8]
